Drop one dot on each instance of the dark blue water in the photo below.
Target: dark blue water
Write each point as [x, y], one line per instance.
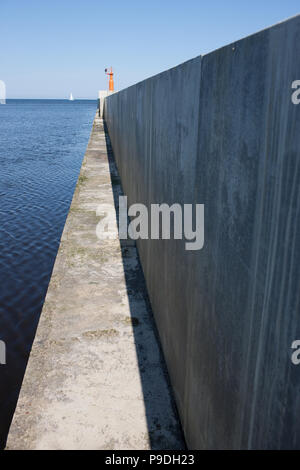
[42, 143]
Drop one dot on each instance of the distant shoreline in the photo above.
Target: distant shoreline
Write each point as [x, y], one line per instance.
[50, 99]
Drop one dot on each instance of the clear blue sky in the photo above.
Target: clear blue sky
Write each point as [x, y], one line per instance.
[49, 48]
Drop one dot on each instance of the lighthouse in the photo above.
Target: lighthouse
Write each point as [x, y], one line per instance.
[110, 73]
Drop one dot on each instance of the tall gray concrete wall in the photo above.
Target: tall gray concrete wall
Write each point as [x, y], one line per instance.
[221, 130]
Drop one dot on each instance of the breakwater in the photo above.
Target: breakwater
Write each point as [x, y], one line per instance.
[221, 130]
[96, 377]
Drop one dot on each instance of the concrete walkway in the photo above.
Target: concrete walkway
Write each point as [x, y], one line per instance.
[96, 377]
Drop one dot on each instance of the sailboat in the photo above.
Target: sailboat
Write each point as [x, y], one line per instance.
[71, 97]
[2, 92]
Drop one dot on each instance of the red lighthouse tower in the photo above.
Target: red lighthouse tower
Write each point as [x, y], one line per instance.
[110, 73]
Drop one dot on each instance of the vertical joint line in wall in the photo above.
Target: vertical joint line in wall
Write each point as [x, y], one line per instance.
[190, 326]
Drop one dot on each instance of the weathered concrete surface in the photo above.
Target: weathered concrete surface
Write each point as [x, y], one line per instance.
[96, 377]
[221, 130]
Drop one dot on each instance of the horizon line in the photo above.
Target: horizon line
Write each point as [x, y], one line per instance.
[64, 99]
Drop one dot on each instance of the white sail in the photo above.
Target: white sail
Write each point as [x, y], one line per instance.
[2, 92]
[71, 97]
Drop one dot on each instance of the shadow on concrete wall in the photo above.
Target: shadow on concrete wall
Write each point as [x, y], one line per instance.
[162, 417]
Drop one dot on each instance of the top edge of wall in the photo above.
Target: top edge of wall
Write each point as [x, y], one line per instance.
[158, 74]
[231, 44]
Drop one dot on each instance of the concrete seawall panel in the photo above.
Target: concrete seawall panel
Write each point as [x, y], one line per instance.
[221, 130]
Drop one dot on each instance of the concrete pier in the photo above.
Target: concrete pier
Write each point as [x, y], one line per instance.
[222, 130]
[96, 377]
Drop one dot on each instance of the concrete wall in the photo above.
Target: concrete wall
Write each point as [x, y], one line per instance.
[221, 130]
[102, 94]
